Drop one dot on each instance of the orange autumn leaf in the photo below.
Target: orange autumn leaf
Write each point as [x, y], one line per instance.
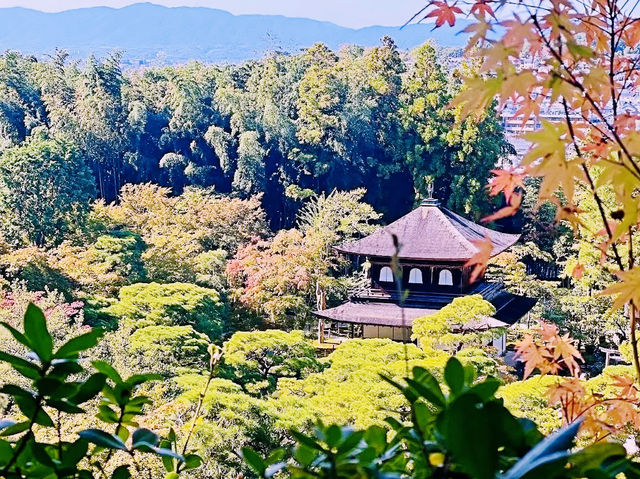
[549, 352]
[528, 109]
[578, 271]
[627, 385]
[479, 31]
[567, 352]
[444, 13]
[482, 8]
[506, 181]
[507, 211]
[627, 289]
[529, 352]
[548, 331]
[557, 393]
[481, 258]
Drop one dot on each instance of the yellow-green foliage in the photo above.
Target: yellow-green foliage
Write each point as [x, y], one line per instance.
[231, 420]
[485, 364]
[112, 261]
[180, 231]
[259, 358]
[603, 383]
[626, 351]
[174, 304]
[351, 390]
[441, 329]
[165, 349]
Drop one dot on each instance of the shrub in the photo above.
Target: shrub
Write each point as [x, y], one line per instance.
[259, 358]
[165, 349]
[174, 304]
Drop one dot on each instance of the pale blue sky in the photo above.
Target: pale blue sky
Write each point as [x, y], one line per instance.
[350, 13]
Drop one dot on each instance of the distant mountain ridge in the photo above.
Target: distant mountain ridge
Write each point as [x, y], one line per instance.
[146, 32]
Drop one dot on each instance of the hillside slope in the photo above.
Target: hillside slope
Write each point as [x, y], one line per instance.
[146, 32]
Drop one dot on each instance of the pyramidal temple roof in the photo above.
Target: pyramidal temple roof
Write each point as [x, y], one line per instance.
[430, 233]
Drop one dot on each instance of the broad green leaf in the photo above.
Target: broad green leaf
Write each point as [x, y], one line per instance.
[106, 414]
[63, 368]
[121, 472]
[74, 452]
[23, 366]
[593, 456]
[422, 416]
[407, 392]
[42, 453]
[486, 389]
[89, 389]
[424, 377]
[63, 405]
[160, 451]
[15, 428]
[333, 435]
[350, 442]
[5, 423]
[467, 430]
[191, 461]
[103, 439]
[307, 441]
[29, 407]
[138, 379]
[13, 390]
[454, 375]
[35, 331]
[254, 461]
[168, 463]
[6, 452]
[71, 348]
[553, 448]
[108, 370]
[144, 436]
[21, 338]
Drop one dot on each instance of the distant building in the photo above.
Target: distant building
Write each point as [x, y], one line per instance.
[435, 244]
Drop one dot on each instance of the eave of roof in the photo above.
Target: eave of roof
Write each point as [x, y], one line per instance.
[392, 315]
[509, 309]
[430, 233]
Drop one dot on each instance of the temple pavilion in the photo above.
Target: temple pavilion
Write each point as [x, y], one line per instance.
[434, 245]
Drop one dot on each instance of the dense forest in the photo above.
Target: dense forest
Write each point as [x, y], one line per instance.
[283, 127]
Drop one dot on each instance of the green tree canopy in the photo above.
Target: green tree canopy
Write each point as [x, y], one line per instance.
[173, 304]
[45, 190]
[259, 358]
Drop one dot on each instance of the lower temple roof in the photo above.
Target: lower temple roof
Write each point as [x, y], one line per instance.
[509, 309]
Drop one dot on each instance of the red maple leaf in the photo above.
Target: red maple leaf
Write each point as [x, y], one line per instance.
[443, 13]
[506, 181]
[482, 8]
[481, 258]
[509, 210]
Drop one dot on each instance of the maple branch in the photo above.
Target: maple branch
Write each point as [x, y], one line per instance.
[600, 402]
[573, 81]
[634, 341]
[592, 185]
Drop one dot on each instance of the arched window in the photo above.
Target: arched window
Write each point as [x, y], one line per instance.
[386, 275]
[415, 276]
[445, 278]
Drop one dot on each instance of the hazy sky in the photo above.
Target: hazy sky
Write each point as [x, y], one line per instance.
[351, 13]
